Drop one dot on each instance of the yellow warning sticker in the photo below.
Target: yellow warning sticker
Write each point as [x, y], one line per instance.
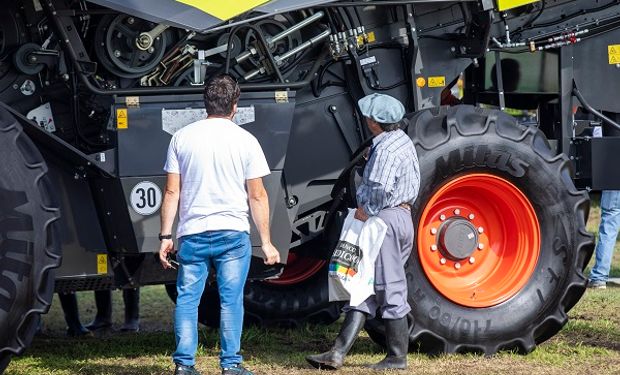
[613, 51]
[371, 37]
[224, 10]
[102, 263]
[121, 118]
[439, 81]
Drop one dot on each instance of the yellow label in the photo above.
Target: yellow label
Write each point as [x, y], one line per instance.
[102, 263]
[121, 118]
[421, 81]
[224, 10]
[509, 4]
[371, 37]
[613, 51]
[439, 81]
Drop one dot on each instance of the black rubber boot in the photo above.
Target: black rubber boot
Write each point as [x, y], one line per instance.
[103, 318]
[397, 339]
[69, 305]
[131, 297]
[334, 358]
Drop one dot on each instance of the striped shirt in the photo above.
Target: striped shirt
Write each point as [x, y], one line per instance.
[392, 174]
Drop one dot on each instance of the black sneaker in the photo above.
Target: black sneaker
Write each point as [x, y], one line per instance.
[185, 370]
[236, 370]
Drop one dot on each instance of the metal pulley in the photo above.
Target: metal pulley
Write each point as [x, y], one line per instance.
[128, 46]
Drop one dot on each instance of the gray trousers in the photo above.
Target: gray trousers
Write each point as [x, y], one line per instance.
[390, 280]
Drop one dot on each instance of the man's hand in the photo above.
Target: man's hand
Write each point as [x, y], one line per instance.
[166, 248]
[360, 214]
[272, 256]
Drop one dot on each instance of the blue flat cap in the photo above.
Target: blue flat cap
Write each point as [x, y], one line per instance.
[382, 108]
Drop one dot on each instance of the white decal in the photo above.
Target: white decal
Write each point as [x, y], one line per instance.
[172, 120]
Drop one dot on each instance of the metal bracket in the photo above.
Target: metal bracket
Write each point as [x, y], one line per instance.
[343, 130]
[132, 102]
[281, 96]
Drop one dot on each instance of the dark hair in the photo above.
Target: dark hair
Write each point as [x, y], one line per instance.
[221, 94]
[389, 127]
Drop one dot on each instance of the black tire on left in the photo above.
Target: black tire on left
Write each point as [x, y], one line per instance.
[29, 247]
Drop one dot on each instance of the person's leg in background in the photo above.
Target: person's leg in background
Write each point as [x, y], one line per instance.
[68, 302]
[131, 298]
[103, 317]
[233, 252]
[607, 235]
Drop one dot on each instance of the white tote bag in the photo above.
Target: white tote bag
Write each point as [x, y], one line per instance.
[352, 266]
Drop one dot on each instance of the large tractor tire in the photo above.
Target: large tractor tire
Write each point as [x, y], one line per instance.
[29, 250]
[288, 302]
[500, 235]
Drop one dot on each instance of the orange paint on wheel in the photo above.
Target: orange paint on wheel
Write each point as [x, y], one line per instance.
[508, 236]
[298, 269]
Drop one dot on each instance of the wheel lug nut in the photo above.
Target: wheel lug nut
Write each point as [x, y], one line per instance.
[471, 216]
[442, 217]
[433, 247]
[457, 211]
[442, 261]
[433, 230]
[480, 230]
[480, 246]
[457, 266]
[472, 260]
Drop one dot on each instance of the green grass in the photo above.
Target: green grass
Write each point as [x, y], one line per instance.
[588, 344]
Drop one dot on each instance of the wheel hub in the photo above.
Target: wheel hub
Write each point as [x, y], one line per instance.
[458, 238]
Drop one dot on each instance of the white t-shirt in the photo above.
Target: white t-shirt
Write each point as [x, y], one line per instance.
[214, 157]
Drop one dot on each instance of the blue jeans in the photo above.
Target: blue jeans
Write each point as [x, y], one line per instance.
[229, 252]
[607, 234]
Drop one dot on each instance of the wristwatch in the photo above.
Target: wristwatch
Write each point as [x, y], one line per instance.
[165, 237]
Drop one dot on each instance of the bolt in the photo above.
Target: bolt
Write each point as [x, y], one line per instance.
[471, 216]
[65, 77]
[433, 247]
[457, 266]
[457, 212]
[442, 217]
[117, 53]
[480, 230]
[151, 50]
[480, 246]
[442, 261]
[472, 260]
[131, 20]
[433, 231]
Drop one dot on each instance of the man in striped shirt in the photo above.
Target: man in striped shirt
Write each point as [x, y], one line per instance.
[390, 185]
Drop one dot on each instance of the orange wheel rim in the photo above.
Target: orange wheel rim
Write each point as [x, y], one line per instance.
[478, 240]
[298, 269]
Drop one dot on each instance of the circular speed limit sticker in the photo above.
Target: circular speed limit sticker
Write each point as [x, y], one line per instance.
[146, 198]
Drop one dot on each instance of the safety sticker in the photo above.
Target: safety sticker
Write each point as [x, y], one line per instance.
[439, 81]
[102, 263]
[121, 118]
[613, 52]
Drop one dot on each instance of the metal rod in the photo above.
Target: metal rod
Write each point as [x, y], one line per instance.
[303, 46]
[245, 55]
[594, 111]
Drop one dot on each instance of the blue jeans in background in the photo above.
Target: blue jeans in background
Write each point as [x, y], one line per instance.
[607, 234]
[229, 252]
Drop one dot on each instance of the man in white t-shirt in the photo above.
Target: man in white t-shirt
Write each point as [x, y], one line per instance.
[215, 169]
